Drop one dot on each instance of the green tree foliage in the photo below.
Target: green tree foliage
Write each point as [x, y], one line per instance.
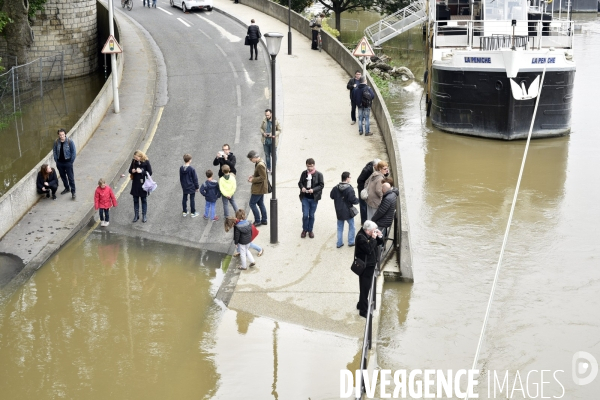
[339, 6]
[4, 19]
[35, 5]
[388, 7]
[297, 5]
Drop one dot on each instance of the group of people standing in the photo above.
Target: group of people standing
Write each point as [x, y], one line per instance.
[377, 201]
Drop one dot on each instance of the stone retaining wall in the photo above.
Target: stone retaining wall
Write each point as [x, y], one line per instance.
[69, 27]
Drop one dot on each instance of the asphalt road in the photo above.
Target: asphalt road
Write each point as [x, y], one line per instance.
[216, 95]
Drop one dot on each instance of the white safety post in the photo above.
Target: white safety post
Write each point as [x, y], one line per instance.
[113, 60]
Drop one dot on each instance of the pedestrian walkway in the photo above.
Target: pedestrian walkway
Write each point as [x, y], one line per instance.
[307, 281]
[49, 224]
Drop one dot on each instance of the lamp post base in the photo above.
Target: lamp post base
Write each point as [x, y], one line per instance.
[289, 43]
[273, 222]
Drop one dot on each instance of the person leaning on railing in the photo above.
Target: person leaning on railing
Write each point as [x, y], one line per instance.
[367, 240]
[384, 216]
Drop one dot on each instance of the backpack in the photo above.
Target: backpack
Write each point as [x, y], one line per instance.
[312, 23]
[366, 100]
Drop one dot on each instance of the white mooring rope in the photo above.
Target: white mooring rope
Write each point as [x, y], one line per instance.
[510, 216]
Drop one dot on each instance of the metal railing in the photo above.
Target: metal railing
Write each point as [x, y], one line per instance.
[24, 83]
[382, 254]
[497, 42]
[397, 23]
[534, 34]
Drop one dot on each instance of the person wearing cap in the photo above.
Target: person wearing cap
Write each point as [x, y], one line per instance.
[260, 187]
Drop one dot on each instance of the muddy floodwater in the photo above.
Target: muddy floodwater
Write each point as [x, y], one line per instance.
[113, 317]
[459, 191]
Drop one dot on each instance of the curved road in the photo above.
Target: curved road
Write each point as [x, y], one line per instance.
[216, 95]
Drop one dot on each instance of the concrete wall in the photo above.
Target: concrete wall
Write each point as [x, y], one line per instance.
[69, 27]
[21, 197]
[350, 64]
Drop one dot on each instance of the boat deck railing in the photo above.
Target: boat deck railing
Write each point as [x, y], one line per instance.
[531, 35]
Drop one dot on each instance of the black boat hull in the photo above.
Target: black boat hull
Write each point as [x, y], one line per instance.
[480, 103]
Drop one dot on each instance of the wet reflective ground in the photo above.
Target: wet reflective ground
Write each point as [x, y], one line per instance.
[29, 137]
[459, 191]
[111, 317]
[115, 317]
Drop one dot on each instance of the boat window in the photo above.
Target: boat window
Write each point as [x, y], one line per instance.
[497, 10]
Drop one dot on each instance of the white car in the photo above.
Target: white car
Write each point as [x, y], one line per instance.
[187, 5]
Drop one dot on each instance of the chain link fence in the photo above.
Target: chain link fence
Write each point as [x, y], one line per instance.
[27, 82]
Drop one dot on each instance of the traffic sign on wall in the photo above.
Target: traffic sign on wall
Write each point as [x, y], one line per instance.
[363, 49]
[111, 46]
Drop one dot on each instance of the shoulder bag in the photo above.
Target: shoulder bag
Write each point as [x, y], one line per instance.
[364, 194]
[149, 185]
[353, 210]
[358, 266]
[247, 41]
[269, 186]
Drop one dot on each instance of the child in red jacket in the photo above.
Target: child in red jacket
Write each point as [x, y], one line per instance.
[104, 199]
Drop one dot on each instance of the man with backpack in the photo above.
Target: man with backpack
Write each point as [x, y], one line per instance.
[363, 97]
[344, 200]
[352, 84]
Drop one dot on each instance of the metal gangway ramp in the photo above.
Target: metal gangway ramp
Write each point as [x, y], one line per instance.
[397, 23]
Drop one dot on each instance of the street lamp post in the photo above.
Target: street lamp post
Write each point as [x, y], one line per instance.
[289, 27]
[113, 60]
[273, 44]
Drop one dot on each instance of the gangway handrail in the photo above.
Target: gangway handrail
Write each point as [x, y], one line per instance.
[416, 8]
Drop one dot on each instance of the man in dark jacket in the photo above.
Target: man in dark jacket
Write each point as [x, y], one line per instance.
[189, 185]
[344, 199]
[64, 157]
[253, 37]
[367, 241]
[362, 178]
[384, 216]
[361, 95]
[352, 84]
[311, 186]
[225, 157]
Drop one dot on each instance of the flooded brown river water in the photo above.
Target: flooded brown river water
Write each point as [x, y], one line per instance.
[115, 317]
[459, 191]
